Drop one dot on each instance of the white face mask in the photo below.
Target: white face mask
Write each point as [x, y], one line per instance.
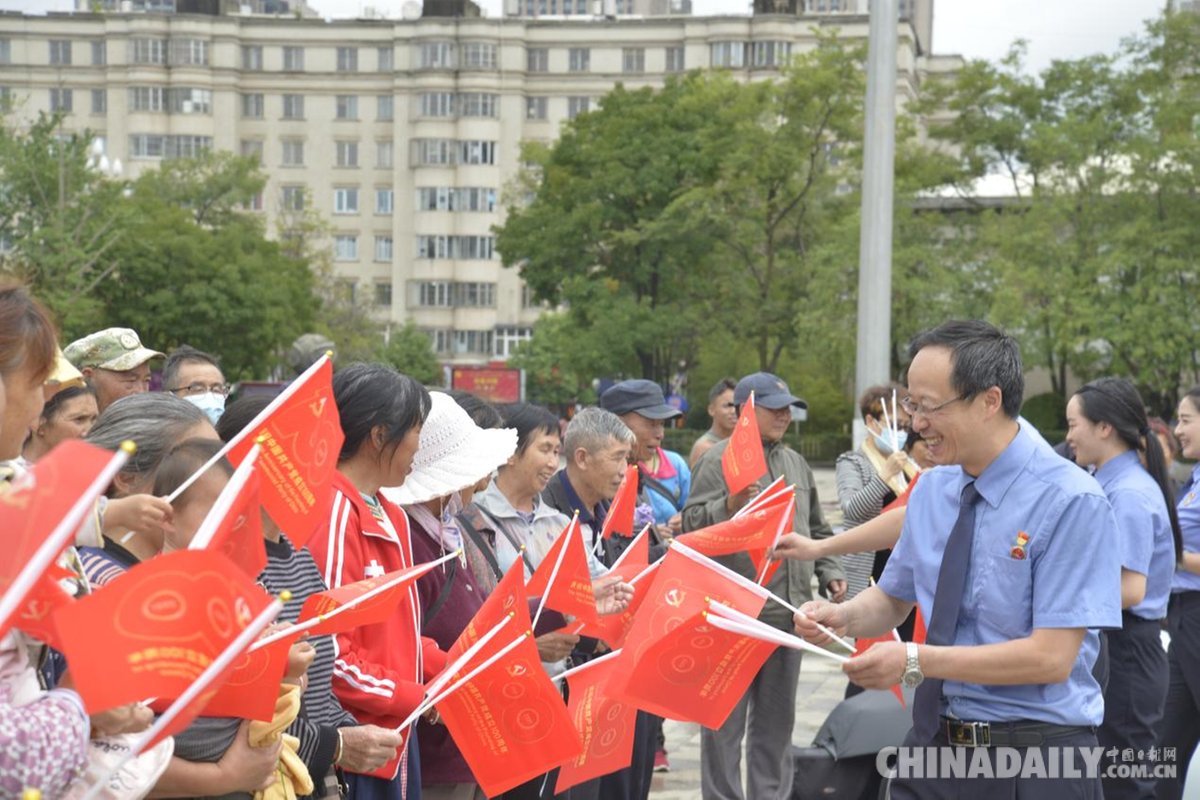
[211, 403]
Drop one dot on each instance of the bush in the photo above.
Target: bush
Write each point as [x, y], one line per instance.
[1047, 412]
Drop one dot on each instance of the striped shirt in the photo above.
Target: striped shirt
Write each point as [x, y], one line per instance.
[862, 494]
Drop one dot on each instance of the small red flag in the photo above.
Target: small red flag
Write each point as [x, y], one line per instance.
[34, 617]
[563, 577]
[919, 632]
[509, 721]
[154, 629]
[390, 590]
[865, 643]
[696, 672]
[743, 461]
[755, 531]
[763, 567]
[253, 686]
[902, 500]
[239, 535]
[303, 435]
[604, 724]
[507, 598]
[619, 518]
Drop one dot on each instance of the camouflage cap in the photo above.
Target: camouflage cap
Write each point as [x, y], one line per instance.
[117, 349]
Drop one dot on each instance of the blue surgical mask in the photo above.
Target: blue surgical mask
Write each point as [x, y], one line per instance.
[211, 403]
[883, 442]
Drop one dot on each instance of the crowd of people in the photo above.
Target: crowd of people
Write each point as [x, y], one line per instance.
[1045, 583]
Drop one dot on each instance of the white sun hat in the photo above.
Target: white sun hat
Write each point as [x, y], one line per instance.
[453, 453]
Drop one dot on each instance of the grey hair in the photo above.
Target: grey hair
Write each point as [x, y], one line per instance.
[592, 428]
[154, 421]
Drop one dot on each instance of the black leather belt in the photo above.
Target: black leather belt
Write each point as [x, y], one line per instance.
[963, 733]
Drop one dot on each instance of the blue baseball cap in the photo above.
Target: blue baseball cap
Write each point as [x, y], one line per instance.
[770, 391]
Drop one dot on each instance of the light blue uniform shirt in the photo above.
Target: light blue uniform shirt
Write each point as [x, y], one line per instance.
[1189, 525]
[1069, 577]
[1143, 527]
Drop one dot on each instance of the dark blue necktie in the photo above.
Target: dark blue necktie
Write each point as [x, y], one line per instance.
[947, 599]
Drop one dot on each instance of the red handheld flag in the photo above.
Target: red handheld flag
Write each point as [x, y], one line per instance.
[252, 685]
[388, 591]
[509, 721]
[43, 601]
[604, 724]
[154, 629]
[236, 522]
[619, 518]
[303, 434]
[562, 580]
[865, 643]
[507, 598]
[753, 531]
[743, 461]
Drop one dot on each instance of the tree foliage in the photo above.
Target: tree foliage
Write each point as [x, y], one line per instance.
[410, 351]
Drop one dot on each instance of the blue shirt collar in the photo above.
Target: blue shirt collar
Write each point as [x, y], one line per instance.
[996, 479]
[1116, 467]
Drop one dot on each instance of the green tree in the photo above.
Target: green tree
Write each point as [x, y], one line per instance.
[410, 351]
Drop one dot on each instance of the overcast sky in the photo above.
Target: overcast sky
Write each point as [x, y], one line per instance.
[972, 28]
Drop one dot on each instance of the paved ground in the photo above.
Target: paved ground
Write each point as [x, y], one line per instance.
[821, 688]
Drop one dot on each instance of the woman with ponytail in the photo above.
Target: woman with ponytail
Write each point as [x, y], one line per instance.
[1180, 726]
[1108, 429]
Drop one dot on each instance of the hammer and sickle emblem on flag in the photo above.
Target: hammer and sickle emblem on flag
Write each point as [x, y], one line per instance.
[517, 670]
[674, 598]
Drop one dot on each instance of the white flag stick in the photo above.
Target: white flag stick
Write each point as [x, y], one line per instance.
[754, 587]
[62, 534]
[768, 634]
[887, 424]
[296, 628]
[225, 500]
[579, 626]
[636, 539]
[448, 672]
[773, 490]
[587, 665]
[783, 519]
[562, 552]
[279, 400]
[433, 701]
[227, 656]
[895, 424]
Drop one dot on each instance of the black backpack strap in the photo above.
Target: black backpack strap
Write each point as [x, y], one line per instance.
[489, 553]
[443, 595]
[499, 527]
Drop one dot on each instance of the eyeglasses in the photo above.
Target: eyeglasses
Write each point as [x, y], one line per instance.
[913, 409]
[201, 388]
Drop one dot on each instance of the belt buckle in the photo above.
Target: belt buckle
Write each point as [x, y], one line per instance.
[969, 734]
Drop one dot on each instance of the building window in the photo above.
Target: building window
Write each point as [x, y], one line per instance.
[478, 104]
[772, 55]
[477, 55]
[387, 59]
[477, 152]
[347, 106]
[383, 154]
[472, 341]
[255, 203]
[383, 201]
[99, 101]
[385, 108]
[536, 107]
[60, 52]
[147, 98]
[347, 59]
[436, 55]
[99, 53]
[293, 106]
[291, 198]
[252, 106]
[826, 6]
[456, 247]
[383, 251]
[345, 247]
[148, 51]
[507, 339]
[433, 294]
[383, 289]
[633, 59]
[192, 52]
[345, 200]
[61, 100]
[728, 54]
[347, 152]
[577, 106]
[437, 104]
[675, 61]
[579, 59]
[537, 59]
[293, 59]
[293, 152]
[456, 198]
[149, 145]
[253, 148]
[475, 295]
[527, 300]
[5, 51]
[252, 60]
[433, 152]
[189, 101]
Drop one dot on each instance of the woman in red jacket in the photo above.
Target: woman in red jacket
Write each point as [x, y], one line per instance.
[380, 670]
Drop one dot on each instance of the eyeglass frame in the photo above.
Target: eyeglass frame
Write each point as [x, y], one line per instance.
[222, 389]
[914, 410]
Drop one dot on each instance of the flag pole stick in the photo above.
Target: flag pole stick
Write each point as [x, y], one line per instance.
[225, 500]
[447, 673]
[762, 573]
[587, 664]
[768, 634]
[562, 552]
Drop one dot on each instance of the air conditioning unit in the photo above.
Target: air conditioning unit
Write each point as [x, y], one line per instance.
[126, 6]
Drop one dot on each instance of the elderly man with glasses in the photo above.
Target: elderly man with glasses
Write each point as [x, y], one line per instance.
[196, 377]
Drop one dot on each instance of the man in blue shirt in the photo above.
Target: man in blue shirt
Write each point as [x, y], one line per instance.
[1012, 554]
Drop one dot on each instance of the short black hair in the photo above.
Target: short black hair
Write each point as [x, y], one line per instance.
[184, 354]
[370, 395]
[481, 412]
[56, 402]
[240, 413]
[529, 420]
[721, 387]
[981, 356]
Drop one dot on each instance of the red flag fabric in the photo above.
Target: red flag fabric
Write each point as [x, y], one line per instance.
[786, 523]
[34, 616]
[865, 643]
[302, 438]
[507, 598]
[509, 721]
[696, 672]
[569, 588]
[743, 461]
[240, 536]
[753, 532]
[253, 685]
[619, 518]
[679, 591]
[635, 558]
[33, 505]
[604, 724]
[902, 500]
[153, 630]
[919, 632]
[368, 612]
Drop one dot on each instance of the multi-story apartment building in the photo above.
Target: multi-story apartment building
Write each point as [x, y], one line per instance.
[403, 134]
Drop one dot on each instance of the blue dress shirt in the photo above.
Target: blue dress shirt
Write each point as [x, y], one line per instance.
[1189, 525]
